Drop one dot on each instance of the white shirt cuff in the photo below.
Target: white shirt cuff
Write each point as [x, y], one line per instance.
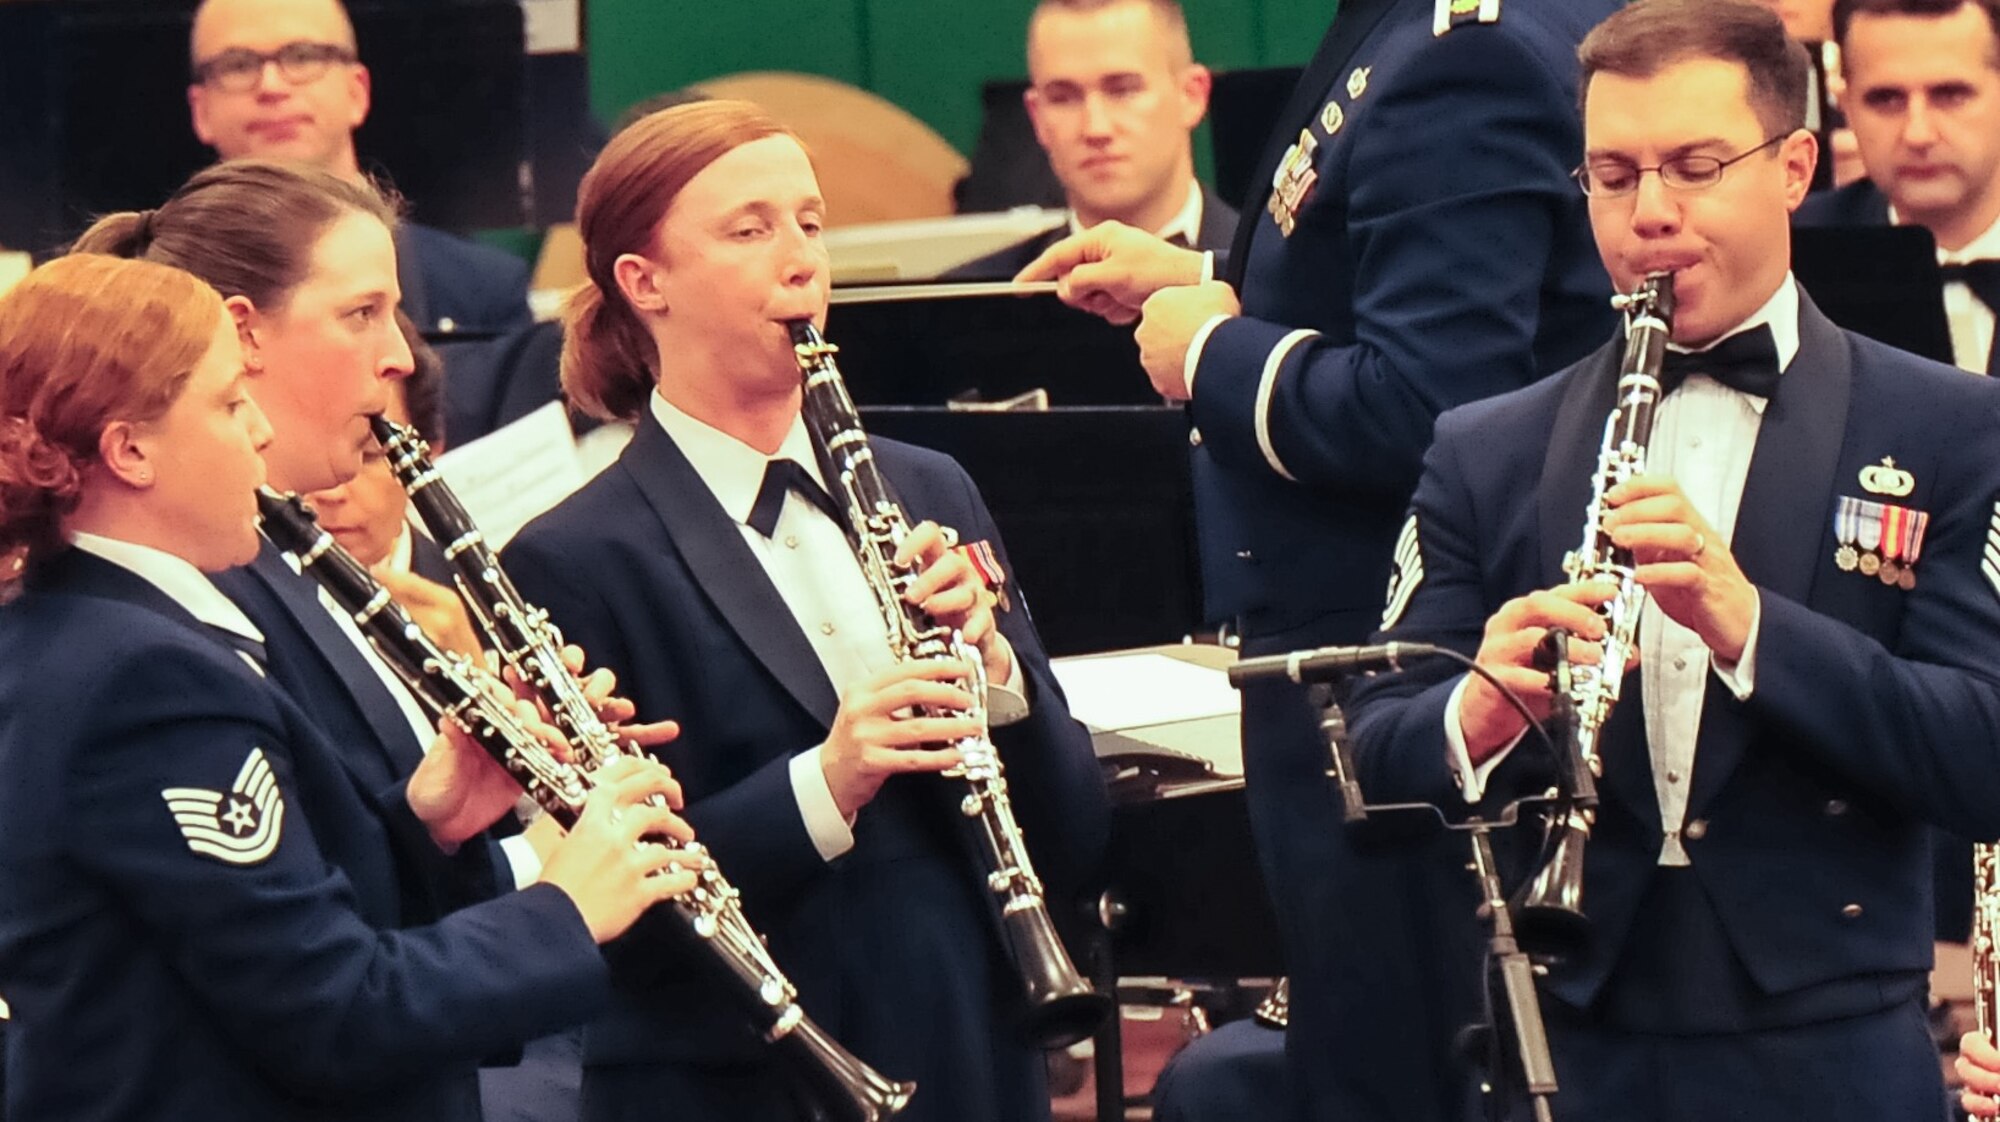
[1195, 346]
[1007, 703]
[1207, 265]
[831, 833]
[522, 860]
[1471, 780]
[1742, 677]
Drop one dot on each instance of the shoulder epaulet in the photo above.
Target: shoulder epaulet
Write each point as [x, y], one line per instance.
[1451, 13]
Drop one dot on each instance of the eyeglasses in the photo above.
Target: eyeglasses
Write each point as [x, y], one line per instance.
[1610, 179]
[238, 69]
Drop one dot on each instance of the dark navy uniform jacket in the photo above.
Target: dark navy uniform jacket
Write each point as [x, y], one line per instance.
[1441, 255]
[252, 964]
[1875, 709]
[892, 944]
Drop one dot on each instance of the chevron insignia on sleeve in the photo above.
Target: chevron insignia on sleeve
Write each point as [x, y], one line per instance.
[1989, 564]
[239, 826]
[1407, 574]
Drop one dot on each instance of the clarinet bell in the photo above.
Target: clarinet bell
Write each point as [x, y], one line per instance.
[1062, 1007]
[1548, 914]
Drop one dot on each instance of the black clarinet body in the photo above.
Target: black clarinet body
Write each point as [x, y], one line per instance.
[449, 684]
[1062, 1006]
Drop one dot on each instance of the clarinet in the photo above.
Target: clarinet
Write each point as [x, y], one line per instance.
[447, 684]
[1062, 1007]
[1552, 904]
[1986, 937]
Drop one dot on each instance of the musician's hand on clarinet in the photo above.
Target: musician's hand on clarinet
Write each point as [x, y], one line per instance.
[1978, 1067]
[436, 608]
[613, 864]
[1683, 563]
[599, 688]
[1486, 720]
[459, 790]
[1110, 269]
[876, 734]
[951, 591]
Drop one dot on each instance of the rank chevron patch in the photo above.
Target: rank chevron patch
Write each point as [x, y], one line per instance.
[1406, 576]
[239, 826]
[1989, 565]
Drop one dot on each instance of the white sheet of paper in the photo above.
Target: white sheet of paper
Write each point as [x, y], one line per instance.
[1127, 691]
[509, 476]
[552, 26]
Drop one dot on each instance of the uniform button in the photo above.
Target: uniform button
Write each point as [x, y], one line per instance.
[1673, 777]
[1836, 807]
[447, 324]
[1680, 662]
[1245, 555]
[1696, 830]
[1851, 911]
[1194, 438]
[791, 541]
[826, 629]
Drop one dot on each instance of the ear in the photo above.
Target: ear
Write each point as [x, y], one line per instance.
[1800, 153]
[361, 95]
[124, 454]
[198, 113]
[248, 325]
[638, 282]
[1196, 82]
[1031, 99]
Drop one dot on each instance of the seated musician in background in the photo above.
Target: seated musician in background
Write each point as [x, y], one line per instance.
[1115, 94]
[1818, 671]
[1923, 97]
[708, 568]
[280, 79]
[205, 912]
[369, 514]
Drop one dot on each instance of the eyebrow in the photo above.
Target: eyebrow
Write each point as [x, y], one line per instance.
[1688, 149]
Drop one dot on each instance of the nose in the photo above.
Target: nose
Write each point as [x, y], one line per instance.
[1656, 210]
[1919, 129]
[260, 428]
[397, 361]
[805, 256]
[271, 81]
[1096, 115]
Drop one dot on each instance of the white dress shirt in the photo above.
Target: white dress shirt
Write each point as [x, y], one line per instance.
[1971, 321]
[180, 581]
[1703, 436]
[814, 568]
[1185, 224]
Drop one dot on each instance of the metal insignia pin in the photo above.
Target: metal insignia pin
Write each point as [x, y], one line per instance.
[1357, 83]
[1332, 117]
[1886, 478]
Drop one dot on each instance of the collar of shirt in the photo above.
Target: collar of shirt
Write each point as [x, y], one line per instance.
[1781, 314]
[402, 554]
[182, 582]
[733, 470]
[1185, 225]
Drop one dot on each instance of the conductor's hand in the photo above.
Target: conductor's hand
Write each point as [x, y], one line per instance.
[1171, 318]
[459, 790]
[1485, 718]
[1683, 563]
[1111, 268]
[952, 592]
[1979, 1069]
[612, 864]
[874, 736]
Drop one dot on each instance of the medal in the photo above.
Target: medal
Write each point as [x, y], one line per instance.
[1914, 524]
[1846, 527]
[1846, 557]
[1895, 520]
[1293, 184]
[1870, 536]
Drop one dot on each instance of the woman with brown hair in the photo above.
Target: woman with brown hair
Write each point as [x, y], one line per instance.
[700, 570]
[200, 898]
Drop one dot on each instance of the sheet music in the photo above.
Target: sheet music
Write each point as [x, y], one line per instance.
[1128, 691]
[509, 476]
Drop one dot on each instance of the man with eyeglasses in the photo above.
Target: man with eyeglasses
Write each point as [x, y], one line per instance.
[1818, 675]
[280, 79]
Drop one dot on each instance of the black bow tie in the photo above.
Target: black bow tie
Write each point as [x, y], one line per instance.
[1746, 362]
[780, 478]
[1982, 277]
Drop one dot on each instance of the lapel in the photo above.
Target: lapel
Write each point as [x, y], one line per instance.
[712, 547]
[1352, 23]
[75, 572]
[342, 662]
[1781, 534]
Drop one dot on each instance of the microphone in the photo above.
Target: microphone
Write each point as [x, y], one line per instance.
[1324, 664]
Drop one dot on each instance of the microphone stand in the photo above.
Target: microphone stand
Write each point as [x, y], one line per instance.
[1515, 970]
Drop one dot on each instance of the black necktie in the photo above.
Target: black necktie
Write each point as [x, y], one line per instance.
[1982, 277]
[780, 478]
[256, 650]
[1746, 362]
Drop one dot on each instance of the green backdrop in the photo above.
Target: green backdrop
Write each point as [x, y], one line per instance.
[927, 56]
